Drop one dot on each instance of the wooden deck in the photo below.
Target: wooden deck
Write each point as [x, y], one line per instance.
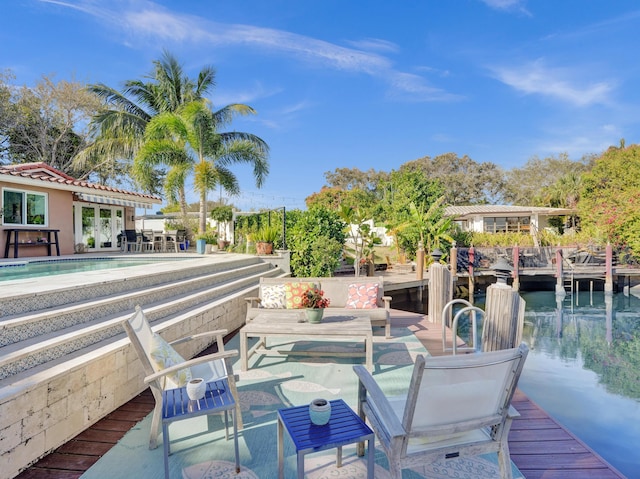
[540, 447]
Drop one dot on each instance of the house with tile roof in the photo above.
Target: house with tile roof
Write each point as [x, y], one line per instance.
[47, 212]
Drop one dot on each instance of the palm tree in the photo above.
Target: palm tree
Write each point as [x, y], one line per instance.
[190, 140]
[119, 129]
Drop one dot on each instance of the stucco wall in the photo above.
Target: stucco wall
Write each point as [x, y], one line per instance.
[60, 211]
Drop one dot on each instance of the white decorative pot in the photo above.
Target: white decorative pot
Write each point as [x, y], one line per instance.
[320, 411]
[196, 388]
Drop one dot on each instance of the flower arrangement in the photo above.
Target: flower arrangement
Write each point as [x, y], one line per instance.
[313, 298]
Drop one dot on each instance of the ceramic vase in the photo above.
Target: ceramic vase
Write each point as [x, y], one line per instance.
[314, 315]
[320, 411]
[196, 388]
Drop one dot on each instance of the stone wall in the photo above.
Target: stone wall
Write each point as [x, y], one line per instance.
[47, 407]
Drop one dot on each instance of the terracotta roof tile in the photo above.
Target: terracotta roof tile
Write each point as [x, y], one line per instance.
[47, 174]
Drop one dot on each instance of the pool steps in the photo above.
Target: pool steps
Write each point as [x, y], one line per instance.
[68, 364]
[40, 338]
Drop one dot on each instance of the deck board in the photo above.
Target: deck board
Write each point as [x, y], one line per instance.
[540, 447]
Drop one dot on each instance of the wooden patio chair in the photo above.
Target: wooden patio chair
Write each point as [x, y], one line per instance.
[164, 370]
[455, 406]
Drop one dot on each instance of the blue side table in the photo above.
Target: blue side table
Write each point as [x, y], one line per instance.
[344, 427]
[176, 405]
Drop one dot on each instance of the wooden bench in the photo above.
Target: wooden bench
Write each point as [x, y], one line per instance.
[336, 290]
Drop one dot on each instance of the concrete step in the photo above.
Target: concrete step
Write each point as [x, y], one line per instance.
[20, 327]
[40, 337]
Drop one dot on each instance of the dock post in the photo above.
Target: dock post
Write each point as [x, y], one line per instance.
[439, 291]
[504, 314]
[559, 272]
[516, 267]
[472, 255]
[608, 274]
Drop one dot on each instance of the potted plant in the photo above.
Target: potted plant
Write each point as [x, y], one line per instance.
[264, 239]
[222, 215]
[207, 241]
[314, 301]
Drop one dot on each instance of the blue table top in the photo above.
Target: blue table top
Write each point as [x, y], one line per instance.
[176, 403]
[344, 427]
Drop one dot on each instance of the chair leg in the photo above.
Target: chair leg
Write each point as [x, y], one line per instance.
[155, 427]
[165, 441]
[235, 440]
[504, 461]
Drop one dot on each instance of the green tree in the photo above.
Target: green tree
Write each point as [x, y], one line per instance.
[189, 140]
[46, 122]
[464, 181]
[334, 198]
[610, 199]
[118, 129]
[405, 187]
[525, 185]
[316, 241]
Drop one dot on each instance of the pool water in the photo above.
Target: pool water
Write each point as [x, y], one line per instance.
[50, 267]
[583, 369]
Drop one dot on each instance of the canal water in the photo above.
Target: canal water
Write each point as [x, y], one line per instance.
[583, 369]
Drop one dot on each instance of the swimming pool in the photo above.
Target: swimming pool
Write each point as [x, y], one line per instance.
[49, 267]
[583, 369]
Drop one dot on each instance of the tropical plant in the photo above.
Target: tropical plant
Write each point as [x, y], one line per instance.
[209, 236]
[266, 234]
[433, 229]
[221, 215]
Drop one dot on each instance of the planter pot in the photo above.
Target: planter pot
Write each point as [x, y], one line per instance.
[314, 315]
[320, 411]
[196, 388]
[184, 247]
[208, 248]
[262, 247]
[222, 244]
[201, 245]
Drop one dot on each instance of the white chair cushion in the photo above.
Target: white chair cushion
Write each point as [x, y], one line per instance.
[162, 356]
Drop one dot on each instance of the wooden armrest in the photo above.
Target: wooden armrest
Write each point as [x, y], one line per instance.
[192, 362]
[376, 397]
[252, 299]
[217, 332]
[387, 302]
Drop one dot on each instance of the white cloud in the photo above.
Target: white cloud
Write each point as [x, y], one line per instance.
[508, 5]
[558, 83]
[375, 44]
[148, 19]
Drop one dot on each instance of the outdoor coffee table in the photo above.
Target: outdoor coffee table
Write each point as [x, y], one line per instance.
[339, 327]
[344, 427]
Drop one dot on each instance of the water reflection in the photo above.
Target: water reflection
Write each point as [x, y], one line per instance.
[584, 369]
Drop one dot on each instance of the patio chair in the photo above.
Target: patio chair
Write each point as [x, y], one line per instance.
[166, 370]
[147, 240]
[455, 406]
[131, 241]
[177, 240]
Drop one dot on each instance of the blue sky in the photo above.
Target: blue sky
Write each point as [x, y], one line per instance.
[363, 84]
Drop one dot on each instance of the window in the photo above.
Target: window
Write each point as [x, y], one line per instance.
[514, 224]
[24, 208]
